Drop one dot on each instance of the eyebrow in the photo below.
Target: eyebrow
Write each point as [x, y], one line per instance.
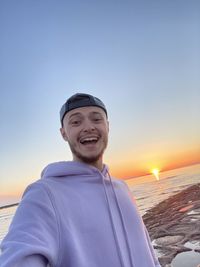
[75, 114]
[80, 114]
[96, 112]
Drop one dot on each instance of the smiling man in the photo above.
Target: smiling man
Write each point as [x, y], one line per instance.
[85, 129]
[77, 215]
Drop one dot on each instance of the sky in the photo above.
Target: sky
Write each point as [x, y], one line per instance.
[142, 58]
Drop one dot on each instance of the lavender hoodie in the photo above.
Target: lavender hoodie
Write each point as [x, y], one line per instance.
[77, 216]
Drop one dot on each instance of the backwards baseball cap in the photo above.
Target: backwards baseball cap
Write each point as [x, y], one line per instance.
[80, 100]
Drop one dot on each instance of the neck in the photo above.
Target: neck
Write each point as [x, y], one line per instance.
[97, 164]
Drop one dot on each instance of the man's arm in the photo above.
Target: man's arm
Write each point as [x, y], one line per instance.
[33, 235]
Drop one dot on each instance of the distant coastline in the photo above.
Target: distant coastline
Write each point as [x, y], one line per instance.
[9, 206]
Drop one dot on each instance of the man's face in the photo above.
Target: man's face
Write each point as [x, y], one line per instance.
[86, 130]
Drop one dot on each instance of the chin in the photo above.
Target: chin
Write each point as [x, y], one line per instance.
[91, 159]
[88, 157]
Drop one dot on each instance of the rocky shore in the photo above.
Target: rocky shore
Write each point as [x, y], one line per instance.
[174, 223]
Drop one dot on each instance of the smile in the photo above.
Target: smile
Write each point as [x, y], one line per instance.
[89, 140]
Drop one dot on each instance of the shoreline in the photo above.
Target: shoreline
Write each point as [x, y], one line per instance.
[8, 206]
[174, 222]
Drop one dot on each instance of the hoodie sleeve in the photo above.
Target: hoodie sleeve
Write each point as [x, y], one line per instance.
[33, 237]
[157, 264]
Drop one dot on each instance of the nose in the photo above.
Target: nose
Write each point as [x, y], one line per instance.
[88, 126]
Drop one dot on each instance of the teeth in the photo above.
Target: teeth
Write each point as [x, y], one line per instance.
[89, 139]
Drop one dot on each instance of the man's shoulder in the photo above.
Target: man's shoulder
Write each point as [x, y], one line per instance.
[119, 182]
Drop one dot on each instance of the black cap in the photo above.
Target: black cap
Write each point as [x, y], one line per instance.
[80, 100]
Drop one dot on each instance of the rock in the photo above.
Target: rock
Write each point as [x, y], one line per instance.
[173, 222]
[168, 240]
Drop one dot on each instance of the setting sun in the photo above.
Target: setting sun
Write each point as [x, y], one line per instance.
[156, 173]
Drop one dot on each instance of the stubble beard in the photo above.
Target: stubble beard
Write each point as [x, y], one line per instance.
[87, 159]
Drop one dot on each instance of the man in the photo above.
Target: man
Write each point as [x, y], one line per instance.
[76, 215]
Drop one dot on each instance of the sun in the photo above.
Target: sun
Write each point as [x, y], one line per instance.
[156, 173]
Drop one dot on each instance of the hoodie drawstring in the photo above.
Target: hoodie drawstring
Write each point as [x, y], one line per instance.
[113, 226]
[122, 221]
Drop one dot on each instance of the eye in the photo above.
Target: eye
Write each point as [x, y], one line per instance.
[97, 118]
[75, 122]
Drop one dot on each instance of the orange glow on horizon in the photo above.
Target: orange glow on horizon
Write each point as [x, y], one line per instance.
[141, 166]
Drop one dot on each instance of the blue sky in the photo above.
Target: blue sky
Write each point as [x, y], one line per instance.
[142, 58]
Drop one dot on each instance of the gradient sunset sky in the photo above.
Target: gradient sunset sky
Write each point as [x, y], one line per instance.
[142, 58]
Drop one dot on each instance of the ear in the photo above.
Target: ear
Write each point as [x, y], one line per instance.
[108, 125]
[63, 133]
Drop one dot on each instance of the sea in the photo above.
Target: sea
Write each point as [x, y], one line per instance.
[147, 190]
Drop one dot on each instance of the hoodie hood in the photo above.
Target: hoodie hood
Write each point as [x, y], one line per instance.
[71, 168]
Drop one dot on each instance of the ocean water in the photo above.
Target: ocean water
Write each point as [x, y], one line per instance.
[6, 216]
[147, 191]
